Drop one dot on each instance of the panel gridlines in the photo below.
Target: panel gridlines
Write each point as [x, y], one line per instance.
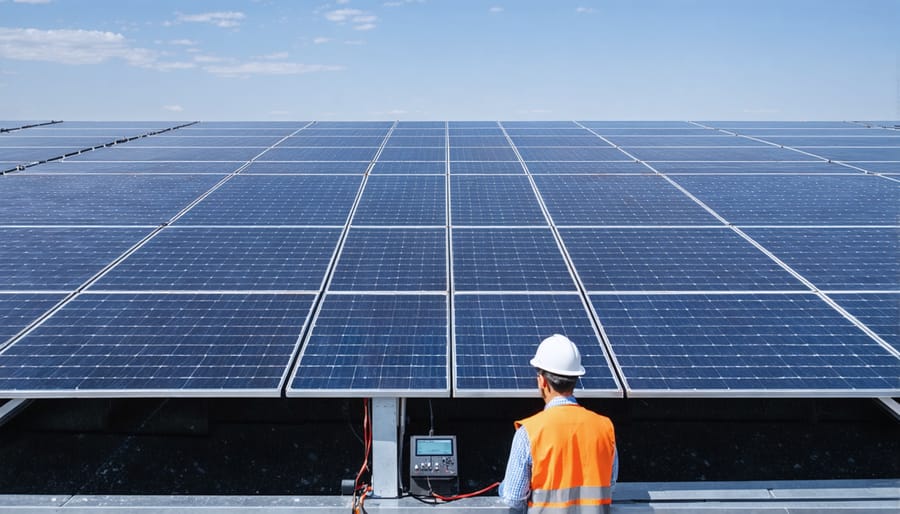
[312, 180]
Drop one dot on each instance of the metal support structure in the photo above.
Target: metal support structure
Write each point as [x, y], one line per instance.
[9, 409]
[890, 405]
[385, 449]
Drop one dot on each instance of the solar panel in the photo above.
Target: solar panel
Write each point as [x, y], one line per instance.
[508, 260]
[124, 152]
[223, 259]
[277, 200]
[158, 345]
[838, 258]
[58, 257]
[722, 168]
[587, 168]
[742, 345]
[494, 200]
[98, 199]
[587, 139]
[319, 154]
[796, 200]
[629, 142]
[486, 168]
[539, 153]
[495, 336]
[413, 154]
[855, 154]
[376, 345]
[135, 167]
[180, 140]
[18, 310]
[672, 259]
[402, 200]
[618, 200]
[498, 140]
[410, 141]
[847, 141]
[310, 168]
[878, 311]
[768, 153]
[331, 141]
[409, 168]
[461, 153]
[392, 260]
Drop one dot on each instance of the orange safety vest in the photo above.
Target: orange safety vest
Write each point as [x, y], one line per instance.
[572, 452]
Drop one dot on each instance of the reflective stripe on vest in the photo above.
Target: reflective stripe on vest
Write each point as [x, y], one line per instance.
[575, 500]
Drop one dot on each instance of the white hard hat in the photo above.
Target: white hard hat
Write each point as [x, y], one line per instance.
[557, 354]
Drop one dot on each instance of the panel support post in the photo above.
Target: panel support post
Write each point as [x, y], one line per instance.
[385, 455]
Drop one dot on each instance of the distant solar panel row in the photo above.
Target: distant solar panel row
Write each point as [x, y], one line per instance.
[429, 258]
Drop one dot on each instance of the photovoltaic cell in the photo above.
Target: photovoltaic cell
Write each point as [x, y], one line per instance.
[409, 168]
[460, 153]
[392, 260]
[587, 168]
[836, 258]
[722, 168]
[18, 310]
[537, 153]
[137, 167]
[278, 200]
[856, 154]
[479, 141]
[319, 154]
[496, 336]
[632, 141]
[486, 168]
[508, 260]
[60, 258]
[142, 153]
[742, 344]
[158, 345]
[413, 154]
[582, 139]
[308, 168]
[672, 259]
[796, 200]
[494, 200]
[402, 200]
[98, 199]
[222, 259]
[376, 345]
[618, 200]
[878, 311]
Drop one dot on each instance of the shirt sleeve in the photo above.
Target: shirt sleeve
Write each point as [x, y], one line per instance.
[615, 468]
[516, 485]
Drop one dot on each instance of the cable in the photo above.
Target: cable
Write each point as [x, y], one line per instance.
[439, 499]
[361, 490]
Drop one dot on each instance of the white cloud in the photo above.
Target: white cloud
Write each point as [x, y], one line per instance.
[321, 40]
[173, 108]
[495, 9]
[223, 19]
[585, 10]
[361, 20]
[77, 47]
[183, 42]
[268, 68]
[277, 56]
[204, 59]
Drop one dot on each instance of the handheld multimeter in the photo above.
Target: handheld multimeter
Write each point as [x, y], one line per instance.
[433, 465]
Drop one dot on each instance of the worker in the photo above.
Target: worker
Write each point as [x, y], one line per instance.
[563, 459]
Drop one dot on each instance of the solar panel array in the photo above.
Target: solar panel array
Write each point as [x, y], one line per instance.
[430, 258]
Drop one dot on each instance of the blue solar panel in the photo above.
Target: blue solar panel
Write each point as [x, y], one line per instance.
[142, 167]
[278, 200]
[495, 139]
[540, 124]
[26, 155]
[586, 168]
[20, 140]
[879, 167]
[794, 200]
[344, 132]
[461, 153]
[410, 141]
[59, 258]
[878, 311]
[672, 259]
[770, 134]
[742, 344]
[319, 154]
[486, 168]
[376, 344]
[768, 153]
[135, 153]
[722, 168]
[815, 141]
[242, 140]
[618, 200]
[221, 259]
[331, 141]
[18, 310]
[494, 200]
[834, 259]
[497, 334]
[856, 154]
[508, 260]
[629, 142]
[410, 168]
[482, 132]
[648, 124]
[153, 344]
[402, 200]
[582, 139]
[308, 168]
[413, 154]
[392, 260]
[537, 153]
[98, 199]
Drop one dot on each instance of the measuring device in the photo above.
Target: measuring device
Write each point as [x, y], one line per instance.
[433, 465]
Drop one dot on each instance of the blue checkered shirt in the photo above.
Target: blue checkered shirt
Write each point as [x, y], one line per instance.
[516, 486]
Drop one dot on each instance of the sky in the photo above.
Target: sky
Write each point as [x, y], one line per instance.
[450, 60]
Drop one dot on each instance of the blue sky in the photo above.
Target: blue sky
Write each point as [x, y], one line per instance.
[449, 59]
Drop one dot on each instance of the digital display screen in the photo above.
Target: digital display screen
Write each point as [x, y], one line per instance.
[434, 447]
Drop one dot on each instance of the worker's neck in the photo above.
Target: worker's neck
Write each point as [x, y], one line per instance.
[551, 394]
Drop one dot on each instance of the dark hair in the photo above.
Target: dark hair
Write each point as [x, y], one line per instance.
[559, 383]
